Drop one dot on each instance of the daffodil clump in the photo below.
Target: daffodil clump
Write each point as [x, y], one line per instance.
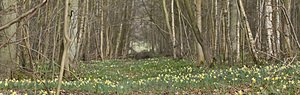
[173, 76]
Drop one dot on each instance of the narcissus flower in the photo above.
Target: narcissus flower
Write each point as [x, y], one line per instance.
[240, 92]
[253, 80]
[284, 87]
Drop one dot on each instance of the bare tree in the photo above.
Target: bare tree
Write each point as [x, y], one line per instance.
[234, 30]
[74, 33]
[200, 57]
[248, 31]
[269, 25]
[196, 31]
[67, 41]
[286, 26]
[169, 26]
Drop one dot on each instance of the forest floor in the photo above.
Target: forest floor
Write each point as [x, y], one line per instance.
[166, 76]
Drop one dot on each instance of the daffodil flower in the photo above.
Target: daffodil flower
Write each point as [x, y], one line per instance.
[284, 87]
[253, 80]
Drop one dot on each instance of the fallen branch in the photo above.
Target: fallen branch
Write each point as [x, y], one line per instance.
[23, 16]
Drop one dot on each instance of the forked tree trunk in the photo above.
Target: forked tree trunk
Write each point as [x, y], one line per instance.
[171, 28]
[197, 33]
[73, 51]
[200, 55]
[247, 29]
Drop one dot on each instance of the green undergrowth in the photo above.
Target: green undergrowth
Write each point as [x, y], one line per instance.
[167, 76]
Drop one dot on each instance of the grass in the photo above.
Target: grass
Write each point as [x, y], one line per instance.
[167, 76]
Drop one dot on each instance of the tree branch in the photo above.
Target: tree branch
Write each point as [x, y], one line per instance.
[23, 15]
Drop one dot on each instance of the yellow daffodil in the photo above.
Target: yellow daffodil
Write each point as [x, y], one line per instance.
[5, 84]
[261, 88]
[253, 80]
[240, 92]
[284, 86]
[267, 78]
[292, 82]
[107, 82]
[14, 93]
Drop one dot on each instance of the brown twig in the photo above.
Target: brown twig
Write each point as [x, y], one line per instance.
[31, 11]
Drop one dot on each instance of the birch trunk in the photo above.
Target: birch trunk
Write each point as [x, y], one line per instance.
[233, 29]
[277, 29]
[73, 51]
[173, 29]
[169, 27]
[269, 26]
[102, 29]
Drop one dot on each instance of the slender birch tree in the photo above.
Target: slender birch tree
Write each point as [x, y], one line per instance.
[234, 29]
[269, 25]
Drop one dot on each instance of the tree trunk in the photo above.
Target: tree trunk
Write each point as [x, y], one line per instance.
[170, 27]
[269, 26]
[8, 51]
[277, 29]
[173, 29]
[67, 41]
[118, 40]
[73, 51]
[197, 33]
[200, 58]
[102, 29]
[233, 29]
[286, 27]
[248, 32]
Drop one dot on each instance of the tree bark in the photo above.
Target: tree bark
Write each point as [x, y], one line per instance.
[173, 30]
[170, 27]
[200, 55]
[73, 50]
[197, 33]
[102, 29]
[8, 64]
[233, 28]
[248, 32]
[286, 27]
[67, 41]
[269, 26]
